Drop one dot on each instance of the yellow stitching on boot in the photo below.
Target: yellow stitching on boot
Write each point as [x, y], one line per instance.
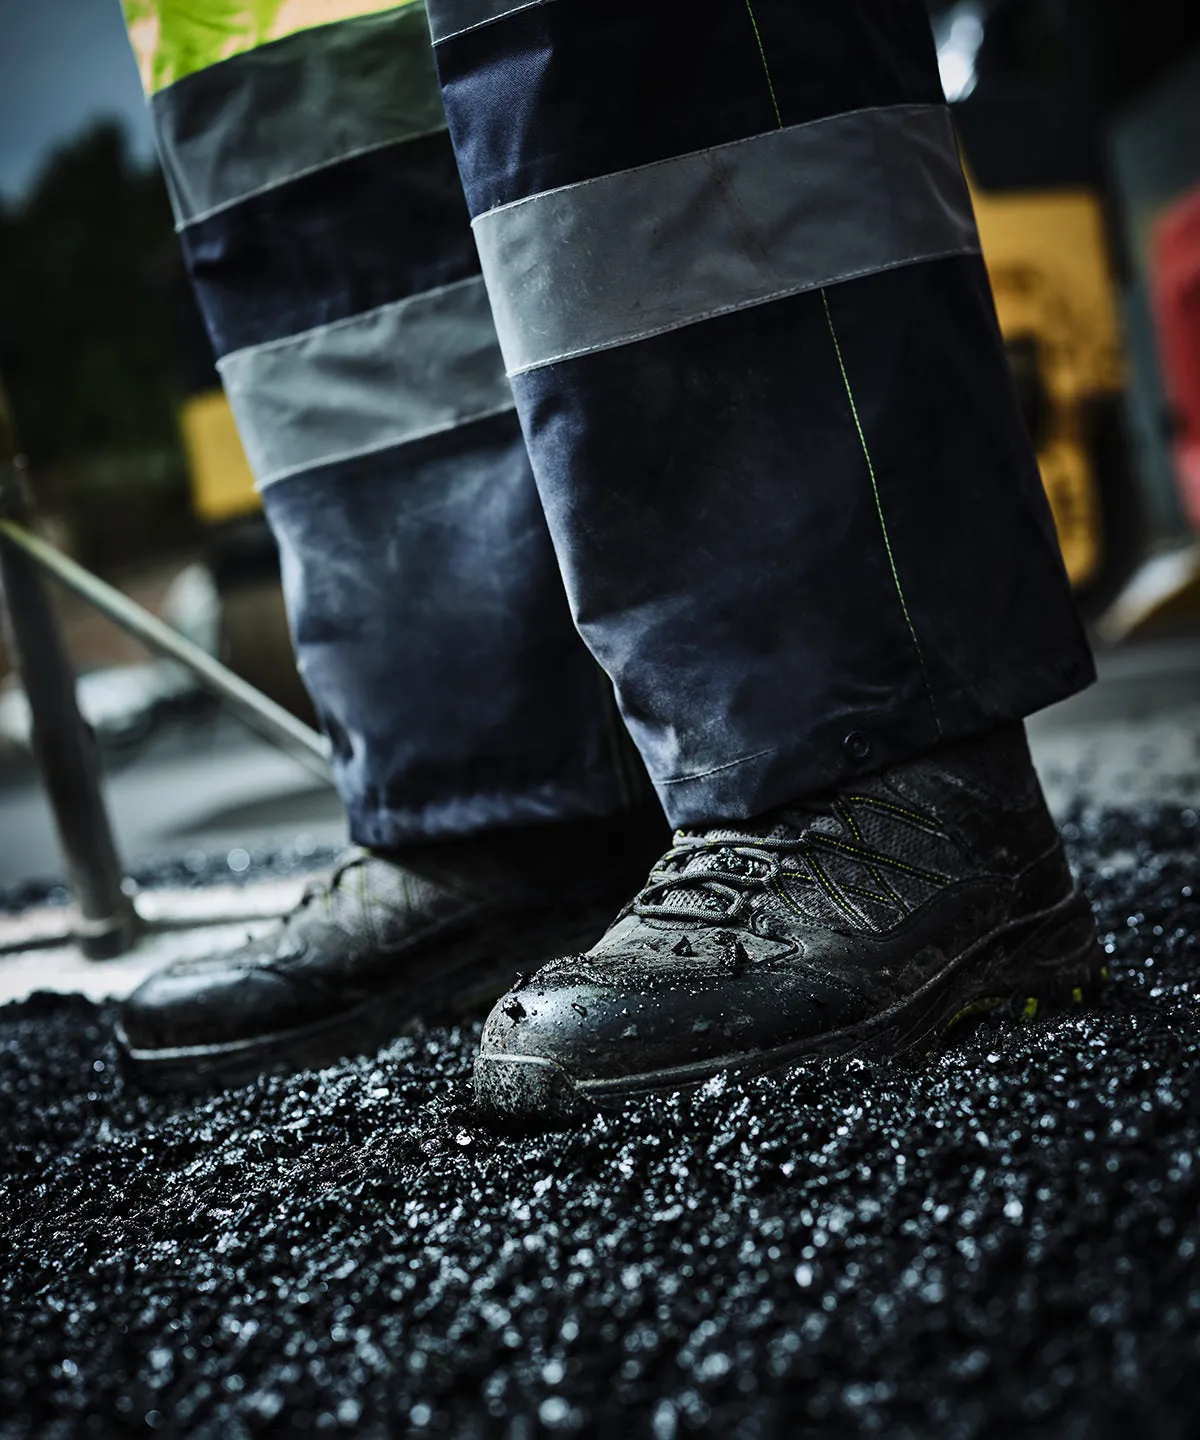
[777, 886]
[868, 894]
[834, 891]
[848, 819]
[889, 862]
[914, 818]
[973, 1007]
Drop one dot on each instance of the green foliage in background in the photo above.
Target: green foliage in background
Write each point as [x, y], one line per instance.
[90, 303]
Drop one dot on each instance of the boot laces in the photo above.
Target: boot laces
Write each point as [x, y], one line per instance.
[723, 869]
[712, 876]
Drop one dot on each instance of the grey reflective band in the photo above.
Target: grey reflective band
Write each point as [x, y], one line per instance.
[386, 377]
[448, 18]
[297, 105]
[631, 255]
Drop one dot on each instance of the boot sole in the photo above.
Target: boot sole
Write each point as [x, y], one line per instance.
[1050, 957]
[473, 971]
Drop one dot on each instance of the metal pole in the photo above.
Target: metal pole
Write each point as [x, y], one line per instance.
[260, 713]
[64, 746]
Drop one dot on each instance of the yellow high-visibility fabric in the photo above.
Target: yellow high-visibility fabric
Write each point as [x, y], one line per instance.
[174, 38]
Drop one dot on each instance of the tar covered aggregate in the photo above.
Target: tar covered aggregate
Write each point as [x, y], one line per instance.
[1003, 1241]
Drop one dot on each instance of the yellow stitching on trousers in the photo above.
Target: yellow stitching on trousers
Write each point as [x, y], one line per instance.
[766, 67]
[887, 542]
[854, 411]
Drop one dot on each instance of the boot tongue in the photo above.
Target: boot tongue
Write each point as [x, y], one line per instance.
[728, 853]
[729, 850]
[789, 822]
[688, 898]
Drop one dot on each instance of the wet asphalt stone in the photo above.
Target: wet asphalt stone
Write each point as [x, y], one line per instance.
[1000, 1241]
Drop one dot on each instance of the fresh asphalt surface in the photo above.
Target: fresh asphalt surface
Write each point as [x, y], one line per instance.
[1000, 1241]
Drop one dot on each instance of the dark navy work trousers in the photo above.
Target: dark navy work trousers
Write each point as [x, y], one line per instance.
[765, 481]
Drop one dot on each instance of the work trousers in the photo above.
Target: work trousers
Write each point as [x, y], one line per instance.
[613, 349]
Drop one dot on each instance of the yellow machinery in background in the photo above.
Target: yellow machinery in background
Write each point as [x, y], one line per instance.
[222, 485]
[1048, 260]
[240, 552]
[1031, 86]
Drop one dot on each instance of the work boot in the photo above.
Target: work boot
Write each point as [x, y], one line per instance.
[860, 923]
[431, 928]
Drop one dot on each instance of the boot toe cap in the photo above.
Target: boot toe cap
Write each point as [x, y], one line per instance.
[551, 1051]
[209, 1005]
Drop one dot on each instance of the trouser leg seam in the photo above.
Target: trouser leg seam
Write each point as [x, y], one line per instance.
[766, 68]
[887, 542]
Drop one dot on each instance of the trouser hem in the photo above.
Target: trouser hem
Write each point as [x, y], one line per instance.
[833, 754]
[390, 824]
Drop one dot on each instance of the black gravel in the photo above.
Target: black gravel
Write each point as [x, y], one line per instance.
[1001, 1242]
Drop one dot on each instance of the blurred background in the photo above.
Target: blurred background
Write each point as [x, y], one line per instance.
[1080, 129]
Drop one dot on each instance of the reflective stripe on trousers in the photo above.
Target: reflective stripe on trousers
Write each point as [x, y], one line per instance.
[323, 222]
[736, 279]
[757, 369]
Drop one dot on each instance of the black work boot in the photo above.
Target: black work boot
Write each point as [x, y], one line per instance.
[861, 923]
[431, 928]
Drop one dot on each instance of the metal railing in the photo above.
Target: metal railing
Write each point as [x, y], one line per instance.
[107, 922]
